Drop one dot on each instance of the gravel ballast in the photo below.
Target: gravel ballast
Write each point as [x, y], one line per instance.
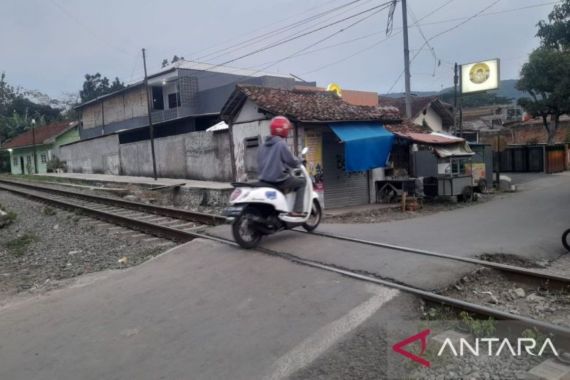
[44, 245]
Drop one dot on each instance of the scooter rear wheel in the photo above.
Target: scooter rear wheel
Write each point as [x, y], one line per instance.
[243, 233]
[315, 218]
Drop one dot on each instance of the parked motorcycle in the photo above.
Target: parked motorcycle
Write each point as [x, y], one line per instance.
[257, 209]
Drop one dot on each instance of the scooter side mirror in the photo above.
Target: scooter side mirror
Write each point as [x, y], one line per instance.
[305, 150]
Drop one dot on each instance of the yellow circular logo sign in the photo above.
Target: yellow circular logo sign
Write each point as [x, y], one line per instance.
[479, 73]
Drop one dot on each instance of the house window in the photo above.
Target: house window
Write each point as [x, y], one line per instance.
[15, 160]
[173, 100]
[157, 99]
[43, 158]
[458, 166]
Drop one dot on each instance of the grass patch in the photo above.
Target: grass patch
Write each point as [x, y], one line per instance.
[48, 211]
[18, 246]
[7, 218]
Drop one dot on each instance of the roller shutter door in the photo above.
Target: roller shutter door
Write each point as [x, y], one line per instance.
[341, 189]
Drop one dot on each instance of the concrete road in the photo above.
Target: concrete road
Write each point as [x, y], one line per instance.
[201, 311]
[528, 223]
[208, 311]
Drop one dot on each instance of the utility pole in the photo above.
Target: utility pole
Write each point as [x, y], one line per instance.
[406, 60]
[455, 82]
[149, 108]
[34, 144]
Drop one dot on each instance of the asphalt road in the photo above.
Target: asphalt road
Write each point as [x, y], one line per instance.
[529, 223]
[209, 311]
[202, 311]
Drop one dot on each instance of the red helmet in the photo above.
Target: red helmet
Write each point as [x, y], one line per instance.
[280, 126]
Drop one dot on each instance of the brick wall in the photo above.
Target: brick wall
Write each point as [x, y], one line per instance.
[528, 134]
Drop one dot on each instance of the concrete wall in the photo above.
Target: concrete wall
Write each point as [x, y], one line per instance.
[432, 119]
[208, 156]
[196, 155]
[100, 155]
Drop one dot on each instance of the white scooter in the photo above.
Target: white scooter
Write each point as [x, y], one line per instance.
[257, 209]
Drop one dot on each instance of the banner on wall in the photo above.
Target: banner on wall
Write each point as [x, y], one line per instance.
[314, 141]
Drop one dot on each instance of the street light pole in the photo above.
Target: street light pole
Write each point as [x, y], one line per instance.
[34, 145]
[151, 128]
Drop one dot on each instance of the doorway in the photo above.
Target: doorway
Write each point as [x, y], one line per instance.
[22, 165]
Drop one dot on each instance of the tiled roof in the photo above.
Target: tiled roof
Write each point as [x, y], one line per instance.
[310, 106]
[406, 127]
[42, 133]
[419, 103]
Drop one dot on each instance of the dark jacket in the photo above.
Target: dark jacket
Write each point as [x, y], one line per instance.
[273, 160]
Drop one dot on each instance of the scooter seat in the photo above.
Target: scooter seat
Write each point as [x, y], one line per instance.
[254, 184]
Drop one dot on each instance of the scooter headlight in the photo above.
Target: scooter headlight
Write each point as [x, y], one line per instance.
[235, 195]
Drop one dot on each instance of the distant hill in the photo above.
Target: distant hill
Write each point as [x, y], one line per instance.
[506, 90]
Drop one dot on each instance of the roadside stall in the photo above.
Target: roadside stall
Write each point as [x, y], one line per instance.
[427, 165]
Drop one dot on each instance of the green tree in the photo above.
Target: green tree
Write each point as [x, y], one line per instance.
[97, 85]
[174, 59]
[16, 111]
[555, 33]
[546, 78]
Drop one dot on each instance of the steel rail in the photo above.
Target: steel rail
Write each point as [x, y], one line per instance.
[193, 216]
[177, 235]
[184, 236]
[488, 264]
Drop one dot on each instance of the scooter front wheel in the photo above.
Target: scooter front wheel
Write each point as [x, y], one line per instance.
[565, 241]
[315, 218]
[244, 234]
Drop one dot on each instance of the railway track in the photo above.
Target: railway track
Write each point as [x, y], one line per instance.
[180, 226]
[553, 279]
[166, 222]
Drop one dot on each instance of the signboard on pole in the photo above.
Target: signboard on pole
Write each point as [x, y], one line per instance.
[480, 76]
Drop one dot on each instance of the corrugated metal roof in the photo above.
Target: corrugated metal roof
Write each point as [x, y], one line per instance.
[429, 138]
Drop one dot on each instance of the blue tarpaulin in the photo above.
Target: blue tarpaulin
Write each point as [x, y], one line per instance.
[366, 145]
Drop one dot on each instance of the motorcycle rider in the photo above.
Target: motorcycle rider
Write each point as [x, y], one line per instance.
[275, 161]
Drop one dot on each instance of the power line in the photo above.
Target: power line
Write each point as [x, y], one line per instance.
[415, 24]
[298, 52]
[278, 31]
[358, 52]
[88, 29]
[273, 63]
[504, 11]
[431, 49]
[352, 55]
[273, 45]
[442, 33]
[255, 31]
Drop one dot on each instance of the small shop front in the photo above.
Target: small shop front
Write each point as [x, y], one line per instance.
[340, 158]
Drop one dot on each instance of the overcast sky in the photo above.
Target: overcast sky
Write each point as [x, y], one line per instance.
[49, 45]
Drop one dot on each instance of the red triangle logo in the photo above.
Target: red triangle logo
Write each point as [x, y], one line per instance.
[422, 337]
